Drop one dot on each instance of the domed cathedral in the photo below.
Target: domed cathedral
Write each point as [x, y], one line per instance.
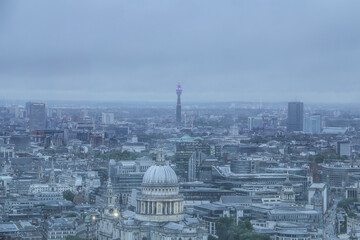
[160, 209]
[287, 191]
[159, 200]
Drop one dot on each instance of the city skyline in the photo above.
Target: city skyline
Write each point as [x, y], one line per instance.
[98, 140]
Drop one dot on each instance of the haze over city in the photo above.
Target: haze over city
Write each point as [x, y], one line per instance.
[179, 120]
[219, 50]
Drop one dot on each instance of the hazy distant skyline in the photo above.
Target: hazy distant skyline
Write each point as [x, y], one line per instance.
[136, 50]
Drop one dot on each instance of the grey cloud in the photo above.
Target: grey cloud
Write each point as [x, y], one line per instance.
[228, 51]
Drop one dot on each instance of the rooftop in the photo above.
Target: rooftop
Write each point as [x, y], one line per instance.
[8, 227]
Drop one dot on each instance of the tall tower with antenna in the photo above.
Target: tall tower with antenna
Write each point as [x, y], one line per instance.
[178, 106]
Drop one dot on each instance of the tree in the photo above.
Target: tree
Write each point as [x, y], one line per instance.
[118, 155]
[212, 238]
[222, 226]
[227, 229]
[68, 195]
[71, 215]
[346, 203]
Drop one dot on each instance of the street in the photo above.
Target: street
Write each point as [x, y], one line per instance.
[329, 225]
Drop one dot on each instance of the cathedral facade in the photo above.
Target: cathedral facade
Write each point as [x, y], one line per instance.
[159, 212]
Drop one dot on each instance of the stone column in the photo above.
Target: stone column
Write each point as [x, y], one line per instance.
[159, 207]
[177, 207]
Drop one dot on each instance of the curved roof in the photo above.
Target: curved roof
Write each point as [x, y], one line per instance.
[160, 175]
[287, 182]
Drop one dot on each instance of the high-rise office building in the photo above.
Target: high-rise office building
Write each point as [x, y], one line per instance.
[107, 118]
[195, 162]
[37, 116]
[184, 150]
[295, 116]
[312, 124]
[343, 148]
[255, 123]
[178, 106]
[27, 109]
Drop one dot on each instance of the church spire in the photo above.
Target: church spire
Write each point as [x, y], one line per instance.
[287, 180]
[109, 176]
[52, 173]
[110, 199]
[160, 159]
[40, 172]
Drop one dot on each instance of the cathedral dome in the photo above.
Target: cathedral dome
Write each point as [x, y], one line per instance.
[287, 182]
[159, 200]
[160, 175]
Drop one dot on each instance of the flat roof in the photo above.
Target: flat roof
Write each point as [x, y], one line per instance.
[8, 227]
[317, 185]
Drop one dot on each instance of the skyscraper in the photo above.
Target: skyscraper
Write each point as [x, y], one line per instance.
[312, 124]
[184, 150]
[255, 123]
[107, 118]
[295, 116]
[195, 162]
[343, 148]
[27, 109]
[178, 106]
[37, 116]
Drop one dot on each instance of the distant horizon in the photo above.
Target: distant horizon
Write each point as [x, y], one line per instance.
[173, 102]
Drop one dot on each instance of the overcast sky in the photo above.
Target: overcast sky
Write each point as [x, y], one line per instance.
[136, 50]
